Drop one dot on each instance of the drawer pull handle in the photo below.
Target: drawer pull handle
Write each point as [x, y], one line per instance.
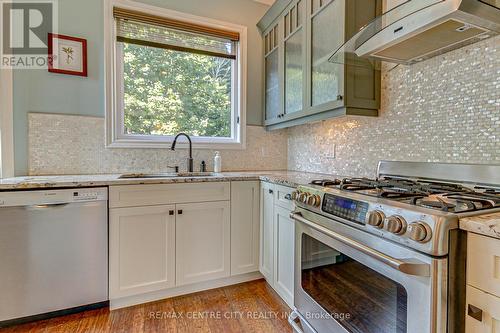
[475, 312]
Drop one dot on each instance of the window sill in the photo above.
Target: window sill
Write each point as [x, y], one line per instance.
[121, 144]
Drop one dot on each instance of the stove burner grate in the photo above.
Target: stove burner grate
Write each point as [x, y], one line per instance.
[326, 182]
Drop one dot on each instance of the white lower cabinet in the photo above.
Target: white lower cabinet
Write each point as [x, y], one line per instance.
[141, 250]
[483, 312]
[277, 239]
[171, 246]
[202, 242]
[266, 265]
[483, 284]
[284, 247]
[245, 225]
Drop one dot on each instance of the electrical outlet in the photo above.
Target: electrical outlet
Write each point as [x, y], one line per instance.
[333, 152]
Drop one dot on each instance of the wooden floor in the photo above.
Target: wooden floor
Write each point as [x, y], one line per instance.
[249, 307]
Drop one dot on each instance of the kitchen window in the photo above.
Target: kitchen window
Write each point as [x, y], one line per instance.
[172, 75]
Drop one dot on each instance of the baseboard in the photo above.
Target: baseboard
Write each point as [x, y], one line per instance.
[182, 290]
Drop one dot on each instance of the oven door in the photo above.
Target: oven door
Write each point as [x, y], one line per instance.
[350, 281]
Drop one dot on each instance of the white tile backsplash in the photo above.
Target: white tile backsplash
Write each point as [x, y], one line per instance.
[69, 144]
[446, 109]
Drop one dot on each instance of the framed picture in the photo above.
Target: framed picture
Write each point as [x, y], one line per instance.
[67, 55]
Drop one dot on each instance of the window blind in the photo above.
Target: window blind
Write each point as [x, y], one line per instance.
[143, 29]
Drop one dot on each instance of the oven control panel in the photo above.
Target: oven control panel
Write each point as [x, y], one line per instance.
[345, 208]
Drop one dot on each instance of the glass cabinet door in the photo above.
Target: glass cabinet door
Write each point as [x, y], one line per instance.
[272, 86]
[327, 31]
[272, 94]
[294, 59]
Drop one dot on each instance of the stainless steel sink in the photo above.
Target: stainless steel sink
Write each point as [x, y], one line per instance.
[168, 175]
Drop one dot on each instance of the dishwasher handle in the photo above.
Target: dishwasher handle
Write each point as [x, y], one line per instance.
[407, 266]
[46, 206]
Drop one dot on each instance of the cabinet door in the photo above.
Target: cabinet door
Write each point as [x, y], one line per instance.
[284, 247]
[202, 241]
[141, 250]
[266, 265]
[294, 58]
[245, 217]
[482, 313]
[326, 36]
[273, 103]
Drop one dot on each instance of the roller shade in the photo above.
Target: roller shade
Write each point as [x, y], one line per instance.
[143, 29]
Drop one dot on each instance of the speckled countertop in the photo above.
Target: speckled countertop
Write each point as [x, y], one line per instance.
[488, 225]
[286, 178]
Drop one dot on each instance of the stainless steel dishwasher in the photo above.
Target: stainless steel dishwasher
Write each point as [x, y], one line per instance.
[53, 252]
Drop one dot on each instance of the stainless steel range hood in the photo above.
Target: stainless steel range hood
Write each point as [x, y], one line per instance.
[421, 29]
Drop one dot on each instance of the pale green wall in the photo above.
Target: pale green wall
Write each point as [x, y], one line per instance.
[40, 91]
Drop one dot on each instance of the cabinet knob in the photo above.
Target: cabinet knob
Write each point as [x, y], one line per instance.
[271, 191]
[179, 212]
[340, 97]
[171, 212]
[475, 312]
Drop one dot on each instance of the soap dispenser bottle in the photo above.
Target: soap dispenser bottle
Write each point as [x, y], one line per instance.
[217, 162]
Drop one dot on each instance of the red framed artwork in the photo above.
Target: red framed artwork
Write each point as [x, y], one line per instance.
[67, 55]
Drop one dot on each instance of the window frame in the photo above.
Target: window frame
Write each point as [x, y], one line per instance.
[115, 131]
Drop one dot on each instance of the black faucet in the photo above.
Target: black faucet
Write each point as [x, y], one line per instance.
[190, 158]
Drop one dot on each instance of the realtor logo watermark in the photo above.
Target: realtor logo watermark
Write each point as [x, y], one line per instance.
[25, 26]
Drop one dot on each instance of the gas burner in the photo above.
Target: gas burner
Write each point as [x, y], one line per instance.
[326, 182]
[457, 202]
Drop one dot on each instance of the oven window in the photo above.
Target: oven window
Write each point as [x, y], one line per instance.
[357, 297]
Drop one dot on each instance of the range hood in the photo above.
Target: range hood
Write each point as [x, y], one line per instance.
[417, 30]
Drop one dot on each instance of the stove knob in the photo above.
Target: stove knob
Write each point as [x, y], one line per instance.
[314, 200]
[317, 203]
[376, 219]
[302, 197]
[295, 195]
[396, 225]
[420, 232]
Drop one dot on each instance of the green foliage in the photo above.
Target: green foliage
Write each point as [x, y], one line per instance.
[167, 92]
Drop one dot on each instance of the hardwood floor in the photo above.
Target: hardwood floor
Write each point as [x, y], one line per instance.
[249, 307]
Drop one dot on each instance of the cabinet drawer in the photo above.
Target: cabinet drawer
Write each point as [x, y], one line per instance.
[486, 310]
[164, 194]
[283, 197]
[483, 263]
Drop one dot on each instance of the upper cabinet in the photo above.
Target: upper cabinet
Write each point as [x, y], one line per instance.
[302, 84]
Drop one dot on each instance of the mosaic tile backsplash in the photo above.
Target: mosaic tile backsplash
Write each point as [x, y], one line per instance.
[67, 144]
[446, 109]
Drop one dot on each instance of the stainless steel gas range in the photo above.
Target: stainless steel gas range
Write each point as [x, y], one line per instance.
[385, 255]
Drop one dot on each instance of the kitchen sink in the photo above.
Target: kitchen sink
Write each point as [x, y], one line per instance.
[168, 175]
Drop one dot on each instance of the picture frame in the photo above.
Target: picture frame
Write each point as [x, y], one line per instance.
[67, 55]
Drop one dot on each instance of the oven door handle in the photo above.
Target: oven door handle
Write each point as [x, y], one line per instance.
[407, 266]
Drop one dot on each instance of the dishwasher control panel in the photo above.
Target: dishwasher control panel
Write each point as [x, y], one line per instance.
[48, 197]
[87, 194]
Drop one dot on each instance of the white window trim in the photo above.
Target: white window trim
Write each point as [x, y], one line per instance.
[6, 124]
[114, 135]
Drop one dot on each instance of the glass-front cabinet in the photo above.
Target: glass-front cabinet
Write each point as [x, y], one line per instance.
[302, 83]
[294, 58]
[272, 84]
[326, 33]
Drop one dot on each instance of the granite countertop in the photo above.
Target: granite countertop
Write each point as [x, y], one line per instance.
[286, 178]
[488, 225]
